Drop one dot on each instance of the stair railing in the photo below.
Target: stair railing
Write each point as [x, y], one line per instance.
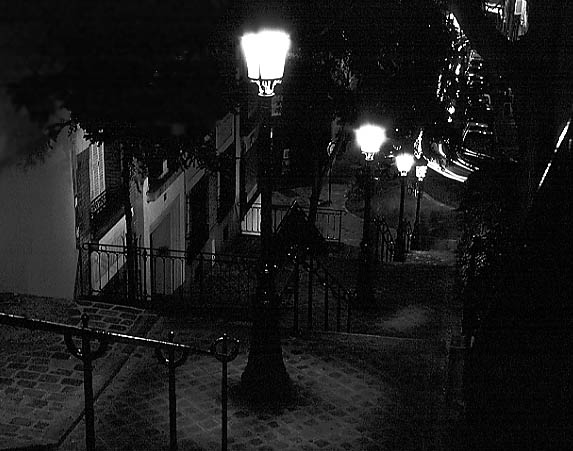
[384, 241]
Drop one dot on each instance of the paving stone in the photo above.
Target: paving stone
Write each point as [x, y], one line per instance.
[6, 381]
[72, 381]
[26, 383]
[21, 421]
[37, 403]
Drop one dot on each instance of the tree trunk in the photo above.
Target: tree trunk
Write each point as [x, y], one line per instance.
[131, 269]
[316, 187]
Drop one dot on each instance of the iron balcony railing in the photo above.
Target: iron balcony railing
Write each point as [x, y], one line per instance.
[328, 221]
[105, 209]
[167, 278]
[224, 349]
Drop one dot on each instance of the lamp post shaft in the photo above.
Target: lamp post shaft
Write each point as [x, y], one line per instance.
[416, 242]
[365, 283]
[400, 254]
[265, 181]
[265, 374]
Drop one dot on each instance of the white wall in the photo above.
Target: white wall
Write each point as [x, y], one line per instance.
[154, 211]
[37, 223]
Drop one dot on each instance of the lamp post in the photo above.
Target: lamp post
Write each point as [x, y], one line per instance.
[369, 137]
[404, 162]
[421, 169]
[265, 374]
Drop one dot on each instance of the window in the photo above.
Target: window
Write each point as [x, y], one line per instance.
[97, 170]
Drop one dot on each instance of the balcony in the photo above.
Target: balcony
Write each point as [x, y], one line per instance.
[105, 210]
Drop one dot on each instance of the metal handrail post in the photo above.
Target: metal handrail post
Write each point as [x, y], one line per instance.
[296, 295]
[326, 288]
[224, 397]
[338, 311]
[309, 309]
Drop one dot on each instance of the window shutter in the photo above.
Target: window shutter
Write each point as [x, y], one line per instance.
[97, 170]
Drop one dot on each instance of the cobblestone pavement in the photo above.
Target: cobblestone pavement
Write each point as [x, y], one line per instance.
[41, 383]
[353, 393]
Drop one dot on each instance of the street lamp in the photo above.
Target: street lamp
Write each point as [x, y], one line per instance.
[265, 374]
[421, 169]
[369, 137]
[404, 162]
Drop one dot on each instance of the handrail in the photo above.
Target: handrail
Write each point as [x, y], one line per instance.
[332, 230]
[164, 274]
[385, 244]
[224, 349]
[316, 268]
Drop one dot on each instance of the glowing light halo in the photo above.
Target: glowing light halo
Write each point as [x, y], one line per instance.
[404, 163]
[265, 53]
[370, 137]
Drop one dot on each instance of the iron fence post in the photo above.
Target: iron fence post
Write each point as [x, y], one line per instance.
[225, 356]
[90, 288]
[338, 311]
[349, 309]
[145, 274]
[88, 395]
[224, 397]
[339, 229]
[326, 287]
[309, 312]
[172, 363]
[296, 295]
[86, 355]
[201, 278]
[172, 400]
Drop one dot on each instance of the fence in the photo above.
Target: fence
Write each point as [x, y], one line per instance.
[328, 221]
[384, 241]
[223, 349]
[167, 277]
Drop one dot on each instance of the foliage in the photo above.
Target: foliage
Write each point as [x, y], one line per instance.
[145, 73]
[489, 212]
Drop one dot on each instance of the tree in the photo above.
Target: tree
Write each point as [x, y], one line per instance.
[361, 61]
[516, 384]
[144, 77]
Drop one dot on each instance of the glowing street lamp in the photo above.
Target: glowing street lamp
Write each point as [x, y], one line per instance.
[421, 169]
[370, 138]
[404, 163]
[265, 54]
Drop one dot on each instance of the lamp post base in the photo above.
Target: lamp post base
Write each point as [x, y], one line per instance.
[265, 378]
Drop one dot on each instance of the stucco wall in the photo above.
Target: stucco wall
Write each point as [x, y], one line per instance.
[37, 226]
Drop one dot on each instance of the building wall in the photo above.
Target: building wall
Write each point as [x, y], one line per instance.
[156, 208]
[38, 253]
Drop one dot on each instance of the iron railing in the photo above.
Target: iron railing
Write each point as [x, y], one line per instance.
[409, 232]
[223, 349]
[384, 241]
[328, 303]
[166, 278]
[328, 221]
